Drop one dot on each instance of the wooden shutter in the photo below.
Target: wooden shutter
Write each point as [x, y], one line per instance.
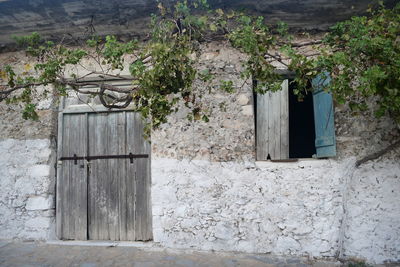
[272, 128]
[325, 141]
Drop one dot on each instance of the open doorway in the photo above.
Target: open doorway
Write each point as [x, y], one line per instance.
[301, 125]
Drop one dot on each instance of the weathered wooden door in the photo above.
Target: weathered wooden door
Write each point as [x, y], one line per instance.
[103, 185]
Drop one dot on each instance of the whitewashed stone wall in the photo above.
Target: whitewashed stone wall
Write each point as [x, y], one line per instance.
[26, 203]
[209, 193]
[280, 208]
[27, 178]
[372, 222]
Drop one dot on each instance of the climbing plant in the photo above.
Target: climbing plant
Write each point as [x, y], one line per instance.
[362, 56]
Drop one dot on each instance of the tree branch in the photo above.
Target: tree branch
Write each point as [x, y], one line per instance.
[378, 154]
[108, 87]
[5, 93]
[128, 99]
[77, 86]
[307, 43]
[277, 58]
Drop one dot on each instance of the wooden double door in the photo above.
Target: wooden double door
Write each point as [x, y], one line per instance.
[103, 177]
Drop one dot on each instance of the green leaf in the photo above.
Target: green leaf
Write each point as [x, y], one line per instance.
[213, 27]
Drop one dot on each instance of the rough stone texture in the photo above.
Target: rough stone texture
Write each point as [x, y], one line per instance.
[229, 135]
[26, 189]
[21, 128]
[362, 134]
[201, 204]
[287, 208]
[373, 211]
[12, 125]
[27, 179]
[280, 208]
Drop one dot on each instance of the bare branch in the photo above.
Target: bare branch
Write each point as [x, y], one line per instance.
[17, 87]
[101, 75]
[307, 43]
[378, 154]
[77, 86]
[128, 99]
[277, 58]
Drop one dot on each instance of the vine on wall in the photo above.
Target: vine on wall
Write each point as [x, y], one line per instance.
[362, 56]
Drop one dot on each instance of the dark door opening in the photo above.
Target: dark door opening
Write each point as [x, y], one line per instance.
[301, 125]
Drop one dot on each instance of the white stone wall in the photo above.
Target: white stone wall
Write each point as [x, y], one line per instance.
[318, 208]
[280, 208]
[207, 191]
[26, 198]
[373, 212]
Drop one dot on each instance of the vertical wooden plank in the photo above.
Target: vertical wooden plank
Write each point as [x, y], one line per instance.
[143, 217]
[143, 197]
[275, 127]
[262, 126]
[93, 128]
[73, 178]
[273, 107]
[131, 176]
[108, 177]
[79, 181]
[271, 137]
[147, 149]
[64, 178]
[122, 182]
[72, 187]
[116, 141]
[284, 120]
[112, 179]
[98, 226]
[92, 184]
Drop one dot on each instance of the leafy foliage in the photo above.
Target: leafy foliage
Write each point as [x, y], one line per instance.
[366, 60]
[362, 55]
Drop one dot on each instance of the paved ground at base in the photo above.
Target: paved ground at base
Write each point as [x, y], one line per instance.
[42, 254]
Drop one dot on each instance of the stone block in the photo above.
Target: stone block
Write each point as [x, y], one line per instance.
[285, 244]
[37, 223]
[224, 232]
[39, 203]
[248, 110]
[157, 210]
[242, 99]
[39, 171]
